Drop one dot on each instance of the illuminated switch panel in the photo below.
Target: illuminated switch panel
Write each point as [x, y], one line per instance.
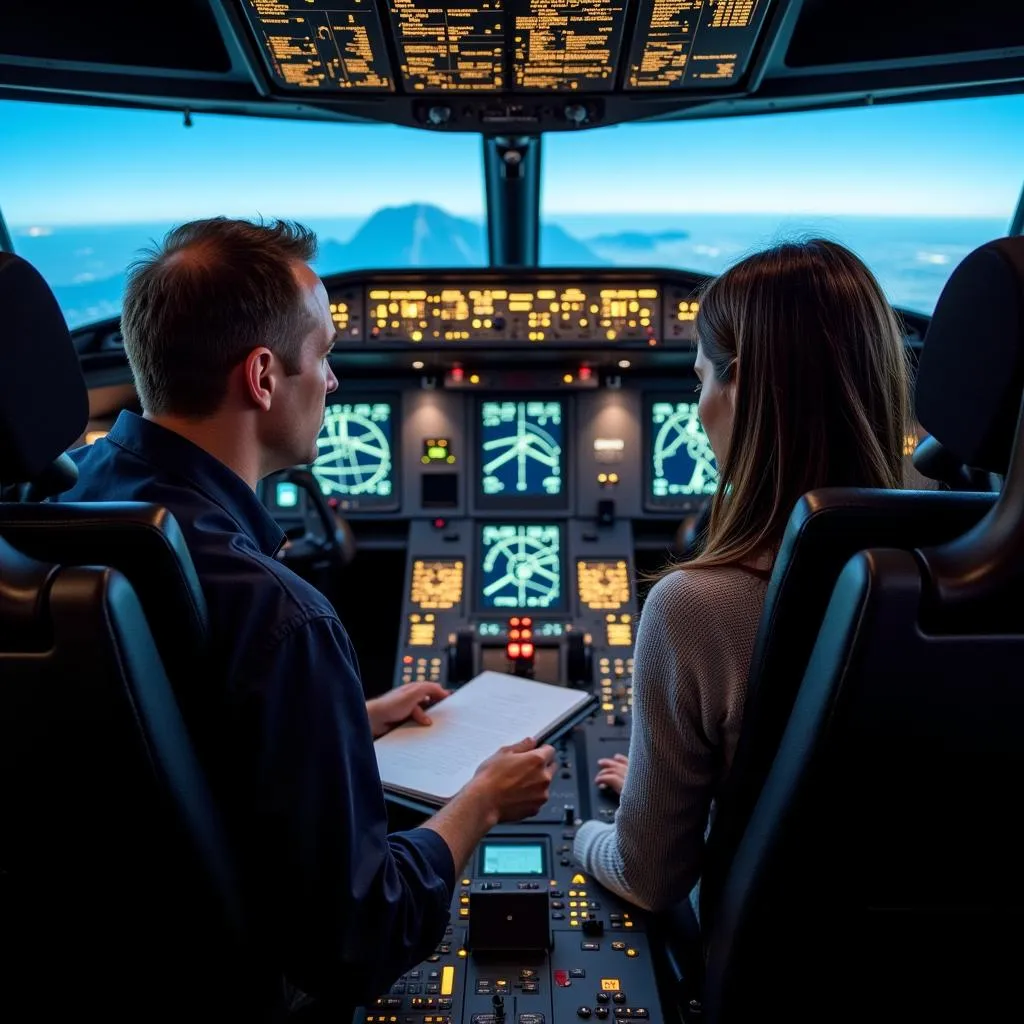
[347, 313]
[680, 318]
[603, 585]
[616, 680]
[415, 670]
[490, 312]
[436, 584]
[619, 630]
[422, 630]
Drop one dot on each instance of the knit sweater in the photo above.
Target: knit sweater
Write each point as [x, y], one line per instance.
[692, 654]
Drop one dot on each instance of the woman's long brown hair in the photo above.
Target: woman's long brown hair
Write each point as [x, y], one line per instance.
[822, 389]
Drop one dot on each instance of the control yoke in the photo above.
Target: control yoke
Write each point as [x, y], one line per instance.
[337, 545]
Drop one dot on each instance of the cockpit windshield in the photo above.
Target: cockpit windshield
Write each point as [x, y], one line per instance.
[88, 188]
[912, 188]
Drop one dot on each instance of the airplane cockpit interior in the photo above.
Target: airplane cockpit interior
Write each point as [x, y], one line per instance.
[518, 205]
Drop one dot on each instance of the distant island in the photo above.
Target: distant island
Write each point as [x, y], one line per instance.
[636, 239]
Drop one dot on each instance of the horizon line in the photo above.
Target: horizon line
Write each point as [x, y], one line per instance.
[551, 215]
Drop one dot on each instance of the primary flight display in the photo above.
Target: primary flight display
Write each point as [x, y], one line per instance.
[355, 452]
[682, 462]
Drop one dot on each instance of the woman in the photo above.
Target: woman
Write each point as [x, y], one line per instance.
[803, 384]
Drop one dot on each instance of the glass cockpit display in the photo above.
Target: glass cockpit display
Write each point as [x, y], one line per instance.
[355, 462]
[521, 566]
[681, 464]
[521, 453]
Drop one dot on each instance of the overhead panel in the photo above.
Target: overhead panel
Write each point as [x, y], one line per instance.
[566, 45]
[690, 44]
[450, 48]
[322, 45]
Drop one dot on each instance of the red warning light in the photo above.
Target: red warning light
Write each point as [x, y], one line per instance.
[457, 374]
[439, 524]
[512, 650]
[527, 622]
[526, 651]
[585, 373]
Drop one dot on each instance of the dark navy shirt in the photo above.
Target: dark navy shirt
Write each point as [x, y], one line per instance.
[280, 723]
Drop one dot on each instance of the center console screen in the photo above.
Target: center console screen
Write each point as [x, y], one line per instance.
[512, 858]
[521, 566]
[681, 466]
[356, 463]
[521, 454]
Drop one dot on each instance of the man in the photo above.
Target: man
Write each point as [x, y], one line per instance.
[228, 330]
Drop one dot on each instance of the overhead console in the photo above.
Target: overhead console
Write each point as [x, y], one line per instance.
[509, 67]
[515, 51]
[453, 310]
[505, 45]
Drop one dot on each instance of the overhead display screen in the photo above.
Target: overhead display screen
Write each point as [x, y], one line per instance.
[584, 312]
[521, 453]
[681, 462]
[324, 45]
[566, 45]
[447, 48]
[355, 461]
[689, 44]
[521, 566]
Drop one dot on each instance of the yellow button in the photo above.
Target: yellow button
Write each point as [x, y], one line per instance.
[609, 984]
[578, 879]
[631, 952]
[447, 979]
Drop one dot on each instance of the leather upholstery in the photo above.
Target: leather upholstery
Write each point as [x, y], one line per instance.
[145, 544]
[117, 892]
[971, 372]
[44, 405]
[879, 877]
[826, 529]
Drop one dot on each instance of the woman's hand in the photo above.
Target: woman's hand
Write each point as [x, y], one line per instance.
[612, 772]
[402, 703]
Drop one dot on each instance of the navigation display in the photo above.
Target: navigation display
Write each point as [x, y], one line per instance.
[355, 463]
[681, 463]
[521, 460]
[567, 45]
[521, 566]
[324, 45]
[447, 48]
[689, 44]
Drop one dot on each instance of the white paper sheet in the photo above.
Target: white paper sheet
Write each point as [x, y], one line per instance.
[492, 710]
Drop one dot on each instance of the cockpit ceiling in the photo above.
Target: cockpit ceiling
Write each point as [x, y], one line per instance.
[507, 66]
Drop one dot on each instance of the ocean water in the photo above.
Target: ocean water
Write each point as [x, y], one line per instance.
[912, 257]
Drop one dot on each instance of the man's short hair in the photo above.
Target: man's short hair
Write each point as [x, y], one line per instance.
[199, 303]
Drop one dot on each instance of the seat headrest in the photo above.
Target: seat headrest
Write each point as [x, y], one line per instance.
[971, 374]
[44, 404]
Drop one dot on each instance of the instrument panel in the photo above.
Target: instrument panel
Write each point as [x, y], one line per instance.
[484, 308]
[504, 46]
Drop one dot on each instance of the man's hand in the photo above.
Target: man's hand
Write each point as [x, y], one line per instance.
[401, 704]
[612, 772]
[514, 782]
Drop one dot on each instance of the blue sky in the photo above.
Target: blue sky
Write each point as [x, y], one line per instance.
[78, 165]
